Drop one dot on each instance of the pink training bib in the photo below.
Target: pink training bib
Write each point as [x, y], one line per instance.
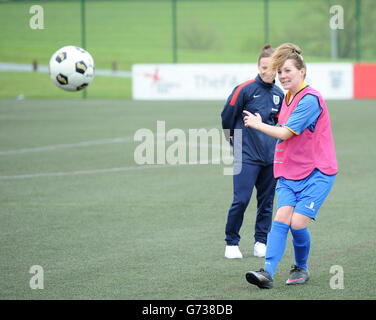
[297, 157]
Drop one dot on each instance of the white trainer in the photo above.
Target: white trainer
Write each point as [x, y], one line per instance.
[259, 250]
[233, 252]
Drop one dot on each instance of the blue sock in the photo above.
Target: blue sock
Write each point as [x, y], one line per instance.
[275, 246]
[301, 240]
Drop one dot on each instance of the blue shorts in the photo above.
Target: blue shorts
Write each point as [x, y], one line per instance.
[305, 195]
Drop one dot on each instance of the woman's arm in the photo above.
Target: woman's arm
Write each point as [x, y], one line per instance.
[255, 121]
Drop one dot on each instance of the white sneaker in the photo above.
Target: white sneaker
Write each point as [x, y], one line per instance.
[259, 249]
[233, 252]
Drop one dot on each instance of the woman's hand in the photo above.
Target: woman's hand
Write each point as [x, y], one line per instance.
[255, 121]
[252, 120]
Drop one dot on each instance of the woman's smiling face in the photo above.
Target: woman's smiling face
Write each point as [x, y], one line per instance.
[291, 77]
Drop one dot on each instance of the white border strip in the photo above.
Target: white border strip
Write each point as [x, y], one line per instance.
[23, 67]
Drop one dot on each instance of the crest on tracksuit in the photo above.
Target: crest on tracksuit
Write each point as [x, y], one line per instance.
[276, 99]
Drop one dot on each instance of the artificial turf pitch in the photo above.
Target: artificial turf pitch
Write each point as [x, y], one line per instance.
[73, 201]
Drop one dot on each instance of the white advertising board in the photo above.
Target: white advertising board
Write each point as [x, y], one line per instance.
[332, 80]
[188, 81]
[216, 81]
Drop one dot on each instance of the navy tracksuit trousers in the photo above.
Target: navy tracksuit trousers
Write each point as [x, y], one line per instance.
[251, 176]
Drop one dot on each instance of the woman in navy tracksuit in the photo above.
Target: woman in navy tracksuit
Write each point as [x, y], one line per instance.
[261, 96]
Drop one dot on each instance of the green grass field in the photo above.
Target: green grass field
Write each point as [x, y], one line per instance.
[39, 85]
[142, 31]
[103, 227]
[130, 32]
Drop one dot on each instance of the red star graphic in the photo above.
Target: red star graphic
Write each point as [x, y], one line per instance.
[154, 76]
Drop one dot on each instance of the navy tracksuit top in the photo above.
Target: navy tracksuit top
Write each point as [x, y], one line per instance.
[255, 96]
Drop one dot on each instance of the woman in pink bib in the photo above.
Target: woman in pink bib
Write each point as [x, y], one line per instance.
[304, 163]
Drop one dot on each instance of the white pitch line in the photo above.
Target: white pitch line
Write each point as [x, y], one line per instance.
[71, 145]
[77, 173]
[93, 143]
[106, 170]
[67, 145]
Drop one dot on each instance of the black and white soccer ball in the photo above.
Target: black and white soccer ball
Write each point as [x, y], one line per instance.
[72, 68]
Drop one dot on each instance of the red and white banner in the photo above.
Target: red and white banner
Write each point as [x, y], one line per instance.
[216, 81]
[188, 81]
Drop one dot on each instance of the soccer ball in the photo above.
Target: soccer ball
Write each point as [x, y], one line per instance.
[72, 68]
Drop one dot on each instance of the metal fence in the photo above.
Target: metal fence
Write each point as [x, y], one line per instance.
[198, 31]
[121, 33]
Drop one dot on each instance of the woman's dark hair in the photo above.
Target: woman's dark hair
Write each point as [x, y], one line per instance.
[266, 52]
